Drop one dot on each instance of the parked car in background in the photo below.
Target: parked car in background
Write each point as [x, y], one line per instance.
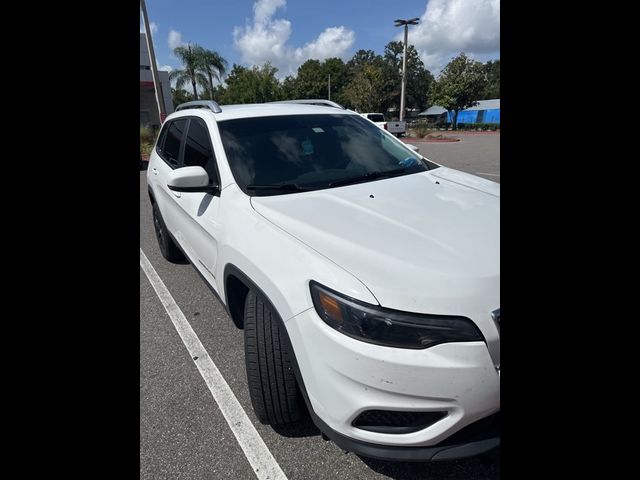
[396, 128]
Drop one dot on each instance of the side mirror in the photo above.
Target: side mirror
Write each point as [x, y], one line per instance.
[413, 147]
[190, 179]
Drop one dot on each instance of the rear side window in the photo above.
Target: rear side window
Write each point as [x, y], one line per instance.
[197, 149]
[171, 147]
[161, 137]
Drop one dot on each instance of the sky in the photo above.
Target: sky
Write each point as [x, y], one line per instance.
[289, 32]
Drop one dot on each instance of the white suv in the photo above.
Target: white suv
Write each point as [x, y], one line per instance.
[366, 277]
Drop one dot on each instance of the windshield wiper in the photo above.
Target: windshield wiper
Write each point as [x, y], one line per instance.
[289, 187]
[368, 176]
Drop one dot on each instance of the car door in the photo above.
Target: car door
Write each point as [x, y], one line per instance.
[198, 210]
[166, 158]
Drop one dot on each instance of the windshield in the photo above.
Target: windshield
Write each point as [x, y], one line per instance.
[285, 154]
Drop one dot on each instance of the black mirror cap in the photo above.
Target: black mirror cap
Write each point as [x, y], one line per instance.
[211, 189]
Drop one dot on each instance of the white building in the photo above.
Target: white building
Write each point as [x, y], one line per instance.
[148, 105]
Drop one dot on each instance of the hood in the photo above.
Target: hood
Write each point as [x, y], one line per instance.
[426, 242]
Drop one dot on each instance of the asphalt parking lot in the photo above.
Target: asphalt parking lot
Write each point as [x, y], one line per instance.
[184, 433]
[476, 153]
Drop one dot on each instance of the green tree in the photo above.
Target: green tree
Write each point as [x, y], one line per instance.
[459, 86]
[219, 91]
[288, 88]
[366, 90]
[418, 78]
[371, 83]
[492, 74]
[252, 85]
[310, 81]
[213, 65]
[338, 71]
[180, 96]
[362, 58]
[190, 73]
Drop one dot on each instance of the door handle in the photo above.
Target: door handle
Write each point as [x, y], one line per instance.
[154, 171]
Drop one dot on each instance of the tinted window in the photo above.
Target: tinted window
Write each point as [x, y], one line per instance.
[171, 148]
[197, 149]
[311, 151]
[161, 137]
[376, 117]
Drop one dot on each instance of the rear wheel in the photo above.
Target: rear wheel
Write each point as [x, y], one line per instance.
[168, 248]
[274, 392]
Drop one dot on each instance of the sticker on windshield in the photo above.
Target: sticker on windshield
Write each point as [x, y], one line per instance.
[318, 130]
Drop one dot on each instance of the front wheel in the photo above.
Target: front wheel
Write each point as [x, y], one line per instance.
[274, 392]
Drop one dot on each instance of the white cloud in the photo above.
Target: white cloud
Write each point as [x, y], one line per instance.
[266, 40]
[153, 26]
[263, 10]
[449, 27]
[175, 39]
[166, 68]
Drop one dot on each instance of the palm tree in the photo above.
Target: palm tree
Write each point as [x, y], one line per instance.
[213, 65]
[190, 58]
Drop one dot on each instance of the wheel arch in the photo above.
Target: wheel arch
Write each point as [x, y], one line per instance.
[236, 287]
[233, 273]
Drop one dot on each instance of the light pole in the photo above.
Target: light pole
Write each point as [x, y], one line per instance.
[154, 68]
[406, 23]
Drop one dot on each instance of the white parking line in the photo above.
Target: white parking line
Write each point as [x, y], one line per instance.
[488, 174]
[254, 448]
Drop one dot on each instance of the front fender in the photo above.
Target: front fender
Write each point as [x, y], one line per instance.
[278, 263]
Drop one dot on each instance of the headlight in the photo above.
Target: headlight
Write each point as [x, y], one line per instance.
[392, 328]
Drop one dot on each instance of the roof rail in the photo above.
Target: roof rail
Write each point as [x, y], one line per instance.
[314, 101]
[210, 104]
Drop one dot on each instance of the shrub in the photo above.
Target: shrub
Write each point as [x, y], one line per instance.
[147, 135]
[147, 139]
[145, 148]
[422, 129]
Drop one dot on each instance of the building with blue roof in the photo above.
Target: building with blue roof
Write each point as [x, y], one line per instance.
[486, 111]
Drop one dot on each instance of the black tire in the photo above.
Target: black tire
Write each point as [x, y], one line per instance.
[168, 248]
[273, 388]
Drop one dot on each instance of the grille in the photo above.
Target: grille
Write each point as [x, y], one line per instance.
[388, 421]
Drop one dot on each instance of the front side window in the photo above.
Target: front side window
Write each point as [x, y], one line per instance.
[273, 155]
[171, 147]
[197, 148]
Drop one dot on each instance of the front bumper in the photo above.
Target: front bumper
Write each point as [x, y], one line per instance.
[344, 377]
[477, 438]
